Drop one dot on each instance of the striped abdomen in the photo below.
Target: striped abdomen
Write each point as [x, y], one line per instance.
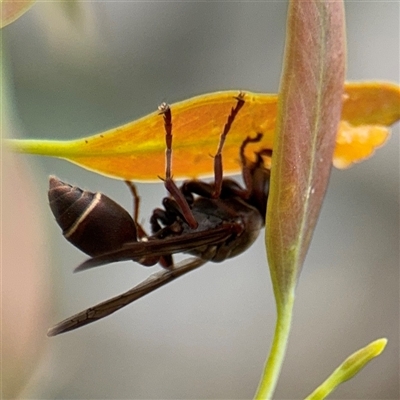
[92, 222]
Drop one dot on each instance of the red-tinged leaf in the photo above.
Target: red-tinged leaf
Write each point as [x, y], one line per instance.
[13, 9]
[309, 112]
[136, 150]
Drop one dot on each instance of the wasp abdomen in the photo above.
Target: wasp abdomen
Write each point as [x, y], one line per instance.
[92, 222]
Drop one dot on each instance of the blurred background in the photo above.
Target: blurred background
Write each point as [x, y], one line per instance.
[78, 68]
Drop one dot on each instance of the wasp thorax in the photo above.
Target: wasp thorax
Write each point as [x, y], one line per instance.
[90, 221]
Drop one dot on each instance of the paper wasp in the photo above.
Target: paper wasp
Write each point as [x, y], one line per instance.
[211, 221]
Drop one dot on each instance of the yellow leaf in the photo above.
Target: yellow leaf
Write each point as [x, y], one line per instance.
[135, 151]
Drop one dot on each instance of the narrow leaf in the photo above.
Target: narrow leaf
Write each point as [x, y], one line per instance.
[136, 150]
[350, 367]
[309, 112]
[308, 116]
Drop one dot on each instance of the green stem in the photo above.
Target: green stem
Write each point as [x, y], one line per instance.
[274, 363]
[52, 148]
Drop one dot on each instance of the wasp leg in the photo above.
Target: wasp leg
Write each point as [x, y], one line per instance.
[249, 167]
[136, 206]
[165, 261]
[171, 226]
[167, 217]
[218, 173]
[200, 188]
[203, 189]
[169, 183]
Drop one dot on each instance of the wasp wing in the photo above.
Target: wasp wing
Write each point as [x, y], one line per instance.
[159, 247]
[108, 307]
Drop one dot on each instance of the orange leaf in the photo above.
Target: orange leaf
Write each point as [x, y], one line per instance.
[368, 109]
[135, 151]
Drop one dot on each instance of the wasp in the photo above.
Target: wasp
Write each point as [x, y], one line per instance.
[211, 221]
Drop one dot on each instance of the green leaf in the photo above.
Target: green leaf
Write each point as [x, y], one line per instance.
[350, 367]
